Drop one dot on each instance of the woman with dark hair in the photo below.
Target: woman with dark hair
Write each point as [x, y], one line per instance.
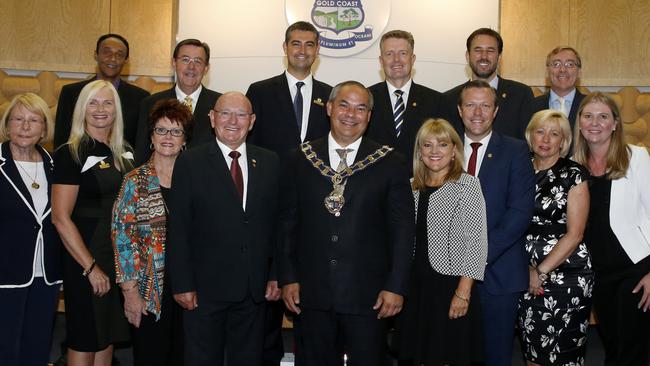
[554, 313]
[618, 229]
[30, 264]
[441, 322]
[139, 233]
[89, 168]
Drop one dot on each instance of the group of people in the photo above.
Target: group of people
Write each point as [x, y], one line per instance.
[190, 222]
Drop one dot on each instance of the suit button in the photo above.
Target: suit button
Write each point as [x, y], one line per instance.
[335, 238]
[333, 262]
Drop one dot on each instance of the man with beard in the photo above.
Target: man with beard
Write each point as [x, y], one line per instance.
[484, 47]
[401, 105]
[191, 61]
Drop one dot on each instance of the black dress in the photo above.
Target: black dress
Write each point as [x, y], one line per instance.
[92, 322]
[425, 332]
[554, 325]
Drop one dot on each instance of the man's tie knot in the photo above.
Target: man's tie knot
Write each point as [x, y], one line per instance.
[188, 102]
[398, 93]
[234, 154]
[299, 85]
[475, 145]
[343, 154]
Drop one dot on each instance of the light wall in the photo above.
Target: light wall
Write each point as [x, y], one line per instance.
[246, 37]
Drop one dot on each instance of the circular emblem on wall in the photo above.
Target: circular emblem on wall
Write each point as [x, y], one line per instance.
[346, 27]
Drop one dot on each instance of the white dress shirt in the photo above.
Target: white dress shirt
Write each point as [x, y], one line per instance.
[306, 99]
[554, 101]
[480, 153]
[195, 96]
[332, 145]
[243, 163]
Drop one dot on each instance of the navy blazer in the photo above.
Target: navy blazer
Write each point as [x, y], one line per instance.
[21, 227]
[508, 184]
[275, 126]
[202, 131]
[422, 103]
[514, 100]
[130, 98]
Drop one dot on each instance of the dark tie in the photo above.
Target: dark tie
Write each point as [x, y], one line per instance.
[297, 105]
[471, 165]
[398, 115]
[235, 172]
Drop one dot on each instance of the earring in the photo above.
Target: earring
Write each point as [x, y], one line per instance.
[183, 147]
[151, 146]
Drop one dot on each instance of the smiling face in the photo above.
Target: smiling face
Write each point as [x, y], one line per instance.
[483, 57]
[437, 155]
[189, 76]
[563, 79]
[100, 110]
[25, 128]
[349, 114]
[478, 111]
[301, 50]
[167, 145]
[397, 60]
[111, 57]
[597, 123]
[546, 140]
[232, 118]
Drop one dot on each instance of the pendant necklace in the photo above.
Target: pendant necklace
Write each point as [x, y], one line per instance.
[34, 184]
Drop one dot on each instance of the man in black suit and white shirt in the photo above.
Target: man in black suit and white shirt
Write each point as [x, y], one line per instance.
[290, 107]
[348, 227]
[222, 222]
[401, 105]
[191, 61]
[484, 48]
[111, 54]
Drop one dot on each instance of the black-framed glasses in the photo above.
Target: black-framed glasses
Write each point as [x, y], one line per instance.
[186, 60]
[162, 131]
[568, 64]
[224, 115]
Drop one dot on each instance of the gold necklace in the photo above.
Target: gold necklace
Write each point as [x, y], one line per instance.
[34, 184]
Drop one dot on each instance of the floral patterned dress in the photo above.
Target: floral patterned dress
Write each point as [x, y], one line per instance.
[554, 325]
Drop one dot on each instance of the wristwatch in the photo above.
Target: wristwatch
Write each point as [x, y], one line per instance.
[543, 276]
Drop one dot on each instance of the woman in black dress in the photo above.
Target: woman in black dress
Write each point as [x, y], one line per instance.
[554, 313]
[89, 169]
[441, 319]
[618, 230]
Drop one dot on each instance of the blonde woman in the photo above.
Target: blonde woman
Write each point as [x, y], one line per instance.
[87, 179]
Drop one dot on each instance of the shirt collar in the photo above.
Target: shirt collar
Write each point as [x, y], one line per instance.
[568, 99]
[292, 80]
[195, 95]
[405, 88]
[484, 141]
[332, 144]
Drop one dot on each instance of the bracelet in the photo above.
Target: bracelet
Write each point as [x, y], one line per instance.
[466, 299]
[86, 272]
[135, 284]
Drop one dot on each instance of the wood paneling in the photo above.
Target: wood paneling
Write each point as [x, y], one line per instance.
[613, 38]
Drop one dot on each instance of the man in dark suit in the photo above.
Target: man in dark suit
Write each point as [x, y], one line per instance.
[191, 61]
[401, 105]
[111, 54]
[484, 47]
[223, 213]
[506, 173]
[563, 69]
[287, 114]
[348, 228]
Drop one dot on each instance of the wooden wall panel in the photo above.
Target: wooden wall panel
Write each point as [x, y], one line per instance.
[148, 25]
[612, 36]
[55, 35]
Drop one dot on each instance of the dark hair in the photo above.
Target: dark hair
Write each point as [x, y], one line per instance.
[476, 84]
[399, 34]
[559, 49]
[300, 26]
[193, 42]
[175, 111]
[116, 36]
[485, 32]
[335, 91]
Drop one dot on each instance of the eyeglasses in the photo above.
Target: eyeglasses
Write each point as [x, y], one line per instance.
[186, 60]
[224, 115]
[162, 131]
[30, 121]
[568, 64]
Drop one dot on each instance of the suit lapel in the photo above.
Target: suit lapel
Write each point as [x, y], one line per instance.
[491, 155]
[10, 172]
[254, 180]
[313, 108]
[222, 171]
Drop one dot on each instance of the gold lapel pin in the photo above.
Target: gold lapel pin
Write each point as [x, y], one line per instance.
[254, 162]
[415, 104]
[489, 155]
[319, 102]
[104, 165]
[504, 95]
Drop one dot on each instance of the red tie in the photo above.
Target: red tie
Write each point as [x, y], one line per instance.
[235, 172]
[471, 166]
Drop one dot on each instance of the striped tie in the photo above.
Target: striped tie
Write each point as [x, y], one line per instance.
[398, 114]
[188, 102]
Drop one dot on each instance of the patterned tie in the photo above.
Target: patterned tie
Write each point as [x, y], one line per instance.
[562, 109]
[188, 102]
[471, 165]
[343, 163]
[398, 114]
[235, 172]
[297, 105]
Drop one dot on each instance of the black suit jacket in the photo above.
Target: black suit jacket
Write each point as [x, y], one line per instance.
[130, 98]
[422, 103]
[276, 127]
[215, 247]
[541, 103]
[514, 100]
[202, 131]
[342, 263]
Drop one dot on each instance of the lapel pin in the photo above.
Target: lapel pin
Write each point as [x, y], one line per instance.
[104, 165]
[489, 155]
[415, 104]
[254, 162]
[319, 102]
[504, 95]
